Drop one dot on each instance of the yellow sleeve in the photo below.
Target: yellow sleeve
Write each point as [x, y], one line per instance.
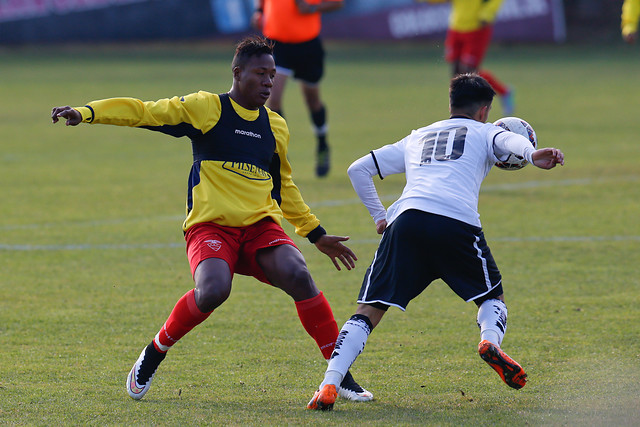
[200, 110]
[489, 10]
[294, 209]
[630, 16]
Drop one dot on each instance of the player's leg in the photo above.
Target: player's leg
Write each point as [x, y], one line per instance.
[213, 285]
[492, 321]
[452, 51]
[277, 91]
[492, 317]
[318, 112]
[285, 267]
[309, 70]
[475, 51]
[471, 272]
[350, 344]
[506, 93]
[399, 272]
[212, 278]
[284, 57]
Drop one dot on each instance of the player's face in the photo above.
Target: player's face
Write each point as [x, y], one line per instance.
[254, 81]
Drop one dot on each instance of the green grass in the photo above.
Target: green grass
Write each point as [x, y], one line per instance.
[92, 257]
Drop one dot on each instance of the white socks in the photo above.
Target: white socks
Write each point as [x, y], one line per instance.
[492, 321]
[350, 343]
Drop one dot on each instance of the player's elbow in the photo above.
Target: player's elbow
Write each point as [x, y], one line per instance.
[354, 170]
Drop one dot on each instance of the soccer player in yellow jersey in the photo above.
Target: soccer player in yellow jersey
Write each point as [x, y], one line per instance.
[240, 189]
[630, 17]
[294, 26]
[467, 41]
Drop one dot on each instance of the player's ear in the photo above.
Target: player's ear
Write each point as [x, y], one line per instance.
[236, 71]
[483, 113]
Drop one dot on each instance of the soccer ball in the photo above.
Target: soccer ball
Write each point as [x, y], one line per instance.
[519, 126]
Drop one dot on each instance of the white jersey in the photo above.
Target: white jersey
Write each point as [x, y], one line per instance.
[445, 164]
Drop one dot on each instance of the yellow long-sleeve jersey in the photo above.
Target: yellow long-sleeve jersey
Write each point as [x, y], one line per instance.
[630, 16]
[470, 15]
[240, 173]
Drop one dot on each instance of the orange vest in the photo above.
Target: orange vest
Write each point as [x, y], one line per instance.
[283, 23]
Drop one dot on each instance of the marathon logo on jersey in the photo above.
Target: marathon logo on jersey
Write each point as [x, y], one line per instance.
[247, 170]
[214, 244]
[248, 133]
[279, 242]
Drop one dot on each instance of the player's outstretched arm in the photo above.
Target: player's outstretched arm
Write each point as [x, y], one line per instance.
[332, 247]
[547, 158]
[72, 115]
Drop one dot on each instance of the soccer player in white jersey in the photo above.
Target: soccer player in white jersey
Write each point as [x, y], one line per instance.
[433, 230]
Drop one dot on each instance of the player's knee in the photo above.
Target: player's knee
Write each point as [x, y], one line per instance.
[297, 283]
[299, 277]
[210, 294]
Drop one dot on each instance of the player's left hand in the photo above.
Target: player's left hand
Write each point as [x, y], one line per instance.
[547, 158]
[332, 247]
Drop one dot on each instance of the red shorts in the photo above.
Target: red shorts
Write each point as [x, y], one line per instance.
[468, 47]
[236, 245]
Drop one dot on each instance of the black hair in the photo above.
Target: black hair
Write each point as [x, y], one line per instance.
[252, 45]
[469, 92]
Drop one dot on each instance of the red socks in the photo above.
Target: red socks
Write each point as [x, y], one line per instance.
[184, 317]
[315, 314]
[317, 318]
[499, 87]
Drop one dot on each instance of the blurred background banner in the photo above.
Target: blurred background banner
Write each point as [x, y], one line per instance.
[53, 21]
[518, 20]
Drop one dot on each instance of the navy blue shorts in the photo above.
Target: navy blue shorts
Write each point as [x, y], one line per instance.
[420, 247]
[305, 60]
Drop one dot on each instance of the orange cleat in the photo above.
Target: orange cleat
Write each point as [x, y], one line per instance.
[324, 399]
[508, 369]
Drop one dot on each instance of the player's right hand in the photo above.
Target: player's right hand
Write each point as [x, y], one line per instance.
[72, 115]
[630, 38]
[257, 20]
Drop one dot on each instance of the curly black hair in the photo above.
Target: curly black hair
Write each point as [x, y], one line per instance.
[252, 45]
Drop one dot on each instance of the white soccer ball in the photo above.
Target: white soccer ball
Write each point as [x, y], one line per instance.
[521, 127]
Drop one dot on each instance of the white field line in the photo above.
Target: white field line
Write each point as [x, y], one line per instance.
[86, 247]
[126, 246]
[326, 203]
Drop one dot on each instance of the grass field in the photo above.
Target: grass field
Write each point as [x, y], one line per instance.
[92, 256]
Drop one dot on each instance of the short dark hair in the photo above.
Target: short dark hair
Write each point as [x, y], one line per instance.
[469, 92]
[252, 45]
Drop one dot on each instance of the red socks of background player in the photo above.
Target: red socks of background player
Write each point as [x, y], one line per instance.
[317, 319]
[184, 317]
